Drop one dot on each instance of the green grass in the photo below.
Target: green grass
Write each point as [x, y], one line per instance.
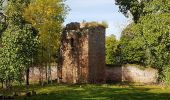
[97, 92]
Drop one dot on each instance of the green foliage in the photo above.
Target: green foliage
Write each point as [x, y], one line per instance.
[17, 51]
[14, 12]
[157, 38]
[147, 42]
[19, 43]
[139, 8]
[133, 6]
[32, 27]
[156, 7]
[3, 26]
[1, 4]
[131, 45]
[3, 23]
[166, 77]
[112, 51]
[47, 16]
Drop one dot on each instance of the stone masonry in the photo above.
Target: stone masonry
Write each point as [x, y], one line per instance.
[82, 54]
[131, 73]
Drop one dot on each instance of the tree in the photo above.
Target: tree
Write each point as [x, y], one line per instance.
[3, 24]
[131, 45]
[133, 6]
[157, 38]
[18, 43]
[1, 4]
[140, 8]
[112, 51]
[145, 41]
[148, 42]
[47, 17]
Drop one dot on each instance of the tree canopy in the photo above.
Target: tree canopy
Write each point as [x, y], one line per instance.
[47, 17]
[19, 41]
[26, 33]
[147, 40]
[112, 50]
[140, 8]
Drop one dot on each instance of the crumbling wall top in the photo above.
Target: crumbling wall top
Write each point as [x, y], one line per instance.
[73, 26]
[76, 25]
[94, 24]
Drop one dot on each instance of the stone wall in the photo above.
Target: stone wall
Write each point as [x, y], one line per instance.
[96, 55]
[38, 74]
[74, 52]
[113, 73]
[128, 73]
[131, 73]
[82, 54]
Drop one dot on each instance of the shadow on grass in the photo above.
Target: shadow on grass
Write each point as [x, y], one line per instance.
[97, 92]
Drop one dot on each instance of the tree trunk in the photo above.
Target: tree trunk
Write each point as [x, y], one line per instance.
[46, 71]
[27, 76]
[8, 84]
[2, 84]
[41, 80]
[50, 76]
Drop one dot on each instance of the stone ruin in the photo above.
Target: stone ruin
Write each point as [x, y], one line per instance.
[82, 54]
[82, 60]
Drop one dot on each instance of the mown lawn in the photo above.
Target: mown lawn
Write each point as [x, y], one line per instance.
[97, 92]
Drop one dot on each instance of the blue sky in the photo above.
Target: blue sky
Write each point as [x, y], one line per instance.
[97, 10]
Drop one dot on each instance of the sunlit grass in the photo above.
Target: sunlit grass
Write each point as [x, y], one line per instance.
[97, 92]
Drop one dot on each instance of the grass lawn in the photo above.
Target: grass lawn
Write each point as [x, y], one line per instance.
[97, 92]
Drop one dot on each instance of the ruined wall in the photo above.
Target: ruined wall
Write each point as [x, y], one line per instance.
[131, 73]
[135, 74]
[38, 74]
[83, 54]
[74, 51]
[97, 55]
[113, 74]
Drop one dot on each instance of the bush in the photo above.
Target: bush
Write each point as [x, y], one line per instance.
[166, 73]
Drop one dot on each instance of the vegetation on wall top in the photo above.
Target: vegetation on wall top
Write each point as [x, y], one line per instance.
[95, 24]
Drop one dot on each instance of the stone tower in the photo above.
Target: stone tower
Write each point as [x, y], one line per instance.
[83, 54]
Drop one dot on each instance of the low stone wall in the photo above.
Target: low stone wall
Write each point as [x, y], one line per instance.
[126, 73]
[114, 74]
[131, 73]
[39, 74]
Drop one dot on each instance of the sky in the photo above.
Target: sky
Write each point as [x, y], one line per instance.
[98, 10]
